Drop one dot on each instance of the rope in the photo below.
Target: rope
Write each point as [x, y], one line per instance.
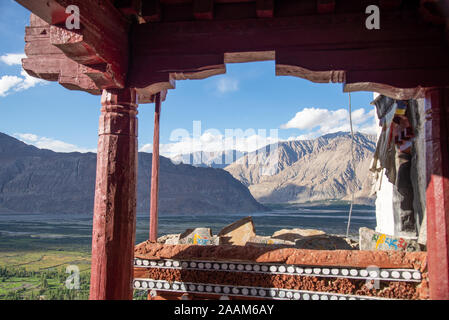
[352, 163]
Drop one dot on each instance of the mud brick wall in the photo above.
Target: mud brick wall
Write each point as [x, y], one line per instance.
[339, 272]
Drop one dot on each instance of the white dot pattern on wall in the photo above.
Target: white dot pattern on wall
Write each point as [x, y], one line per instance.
[383, 274]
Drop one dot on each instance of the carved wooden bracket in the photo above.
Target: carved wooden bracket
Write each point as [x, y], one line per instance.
[100, 44]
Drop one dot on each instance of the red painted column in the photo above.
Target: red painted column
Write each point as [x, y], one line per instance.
[155, 171]
[114, 223]
[437, 193]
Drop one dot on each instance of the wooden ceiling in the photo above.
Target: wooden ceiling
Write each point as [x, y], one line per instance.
[148, 44]
[143, 11]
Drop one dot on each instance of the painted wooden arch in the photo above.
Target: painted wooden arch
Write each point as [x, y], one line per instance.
[329, 76]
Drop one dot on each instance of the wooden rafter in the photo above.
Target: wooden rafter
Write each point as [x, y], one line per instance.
[102, 39]
[203, 9]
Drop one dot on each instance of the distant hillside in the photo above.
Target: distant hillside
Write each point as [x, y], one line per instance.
[309, 170]
[219, 159]
[42, 181]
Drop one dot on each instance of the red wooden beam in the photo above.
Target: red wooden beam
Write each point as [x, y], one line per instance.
[265, 8]
[102, 37]
[390, 4]
[129, 7]
[48, 62]
[155, 172]
[203, 9]
[151, 10]
[405, 54]
[435, 11]
[437, 193]
[144, 97]
[114, 223]
[325, 6]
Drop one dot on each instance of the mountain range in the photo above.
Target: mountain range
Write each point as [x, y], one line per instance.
[309, 170]
[39, 180]
[218, 159]
[35, 180]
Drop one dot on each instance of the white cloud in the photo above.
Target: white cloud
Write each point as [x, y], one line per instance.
[12, 58]
[7, 83]
[50, 143]
[29, 81]
[28, 137]
[243, 141]
[321, 121]
[314, 121]
[308, 136]
[227, 84]
[10, 83]
[147, 148]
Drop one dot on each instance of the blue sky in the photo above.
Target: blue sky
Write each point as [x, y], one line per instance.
[248, 96]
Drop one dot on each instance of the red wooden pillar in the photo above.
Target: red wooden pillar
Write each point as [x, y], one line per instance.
[114, 221]
[155, 171]
[437, 193]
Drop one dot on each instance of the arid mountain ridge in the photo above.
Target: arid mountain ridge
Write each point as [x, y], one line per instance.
[35, 180]
[309, 170]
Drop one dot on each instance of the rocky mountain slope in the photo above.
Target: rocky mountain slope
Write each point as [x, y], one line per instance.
[309, 170]
[35, 180]
[219, 159]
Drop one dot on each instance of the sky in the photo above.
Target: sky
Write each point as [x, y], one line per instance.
[197, 115]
